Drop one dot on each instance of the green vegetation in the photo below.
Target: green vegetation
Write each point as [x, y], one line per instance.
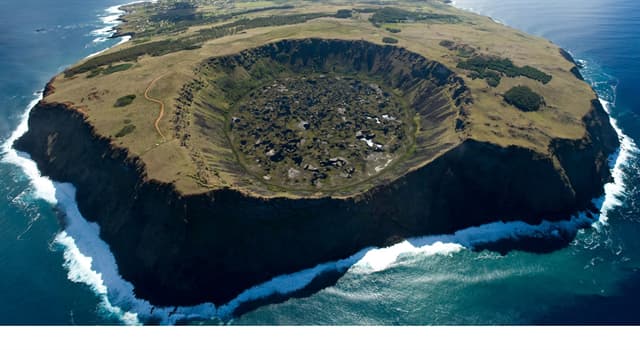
[163, 47]
[306, 116]
[397, 15]
[524, 98]
[492, 78]
[117, 68]
[124, 101]
[465, 51]
[274, 21]
[179, 12]
[202, 101]
[344, 14]
[448, 44]
[110, 69]
[483, 65]
[126, 130]
[315, 144]
[462, 50]
[389, 40]
[154, 48]
[183, 15]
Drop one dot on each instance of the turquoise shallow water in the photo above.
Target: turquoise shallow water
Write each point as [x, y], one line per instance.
[593, 280]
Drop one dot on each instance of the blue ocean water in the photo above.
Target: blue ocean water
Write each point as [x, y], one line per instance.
[47, 276]
[38, 38]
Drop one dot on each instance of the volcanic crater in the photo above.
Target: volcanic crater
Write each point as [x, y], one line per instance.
[321, 116]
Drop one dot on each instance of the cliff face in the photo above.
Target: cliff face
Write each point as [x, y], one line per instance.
[180, 250]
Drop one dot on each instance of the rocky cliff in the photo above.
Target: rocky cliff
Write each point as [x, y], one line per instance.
[180, 250]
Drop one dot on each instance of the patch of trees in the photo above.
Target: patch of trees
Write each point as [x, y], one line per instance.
[124, 100]
[394, 30]
[184, 14]
[485, 67]
[462, 50]
[389, 40]
[524, 98]
[273, 21]
[163, 47]
[154, 48]
[109, 69]
[397, 15]
[344, 14]
[178, 12]
[451, 45]
[126, 130]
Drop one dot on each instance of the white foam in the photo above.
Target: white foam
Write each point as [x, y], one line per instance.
[43, 188]
[123, 39]
[615, 191]
[111, 21]
[86, 257]
[89, 260]
[286, 284]
[384, 258]
[380, 259]
[79, 268]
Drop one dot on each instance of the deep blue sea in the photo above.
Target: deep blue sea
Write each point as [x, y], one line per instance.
[55, 273]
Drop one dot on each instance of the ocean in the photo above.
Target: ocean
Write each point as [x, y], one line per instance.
[56, 270]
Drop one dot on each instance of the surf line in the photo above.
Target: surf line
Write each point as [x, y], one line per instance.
[89, 260]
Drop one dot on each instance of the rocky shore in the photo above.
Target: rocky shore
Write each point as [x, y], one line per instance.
[186, 249]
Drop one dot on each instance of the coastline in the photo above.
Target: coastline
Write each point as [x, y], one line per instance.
[79, 266]
[375, 259]
[112, 19]
[615, 188]
[484, 235]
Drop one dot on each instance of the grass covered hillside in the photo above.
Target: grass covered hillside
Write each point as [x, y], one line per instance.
[313, 99]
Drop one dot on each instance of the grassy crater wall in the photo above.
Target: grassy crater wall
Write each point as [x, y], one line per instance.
[434, 96]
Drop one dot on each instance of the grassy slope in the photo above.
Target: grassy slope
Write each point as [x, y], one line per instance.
[490, 120]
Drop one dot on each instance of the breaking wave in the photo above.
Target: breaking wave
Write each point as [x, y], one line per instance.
[615, 190]
[111, 19]
[88, 259]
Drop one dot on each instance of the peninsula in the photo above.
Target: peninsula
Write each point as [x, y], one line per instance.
[229, 142]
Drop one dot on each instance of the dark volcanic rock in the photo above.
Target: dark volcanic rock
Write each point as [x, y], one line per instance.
[180, 250]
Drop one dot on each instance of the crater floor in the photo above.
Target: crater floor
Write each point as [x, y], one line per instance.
[318, 116]
[444, 78]
[319, 130]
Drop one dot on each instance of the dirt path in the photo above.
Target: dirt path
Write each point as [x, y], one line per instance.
[161, 112]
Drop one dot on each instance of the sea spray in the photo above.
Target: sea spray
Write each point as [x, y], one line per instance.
[42, 187]
[111, 21]
[79, 267]
[93, 264]
[615, 190]
[89, 261]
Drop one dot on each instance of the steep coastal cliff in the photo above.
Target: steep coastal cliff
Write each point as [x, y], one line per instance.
[186, 249]
[257, 143]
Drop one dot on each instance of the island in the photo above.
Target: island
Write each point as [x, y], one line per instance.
[231, 142]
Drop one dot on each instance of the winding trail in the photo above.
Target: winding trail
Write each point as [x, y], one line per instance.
[161, 112]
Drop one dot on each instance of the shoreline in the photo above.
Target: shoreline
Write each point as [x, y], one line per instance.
[86, 240]
[377, 259]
